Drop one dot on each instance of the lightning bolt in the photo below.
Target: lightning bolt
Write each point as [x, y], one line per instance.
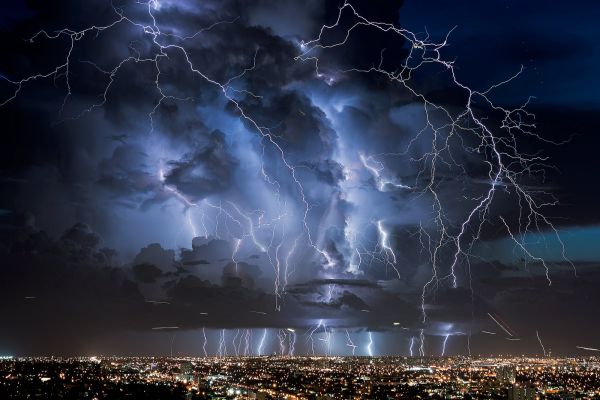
[247, 340]
[444, 344]
[235, 348]
[166, 47]
[385, 245]
[350, 343]
[204, 343]
[376, 169]
[222, 351]
[172, 340]
[370, 344]
[261, 344]
[291, 342]
[281, 335]
[537, 334]
[495, 144]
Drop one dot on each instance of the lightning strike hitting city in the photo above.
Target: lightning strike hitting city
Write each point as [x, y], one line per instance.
[285, 199]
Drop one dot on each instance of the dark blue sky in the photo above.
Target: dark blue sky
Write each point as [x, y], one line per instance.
[555, 41]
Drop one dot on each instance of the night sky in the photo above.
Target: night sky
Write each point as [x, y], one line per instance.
[282, 170]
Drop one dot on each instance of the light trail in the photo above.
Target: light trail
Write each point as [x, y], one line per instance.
[500, 325]
[587, 348]
[156, 302]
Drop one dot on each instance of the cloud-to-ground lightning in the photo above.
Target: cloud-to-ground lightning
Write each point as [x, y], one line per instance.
[537, 334]
[204, 343]
[172, 341]
[444, 344]
[233, 341]
[326, 339]
[291, 342]
[497, 143]
[369, 346]
[281, 336]
[349, 342]
[222, 349]
[261, 343]
[495, 146]
[247, 341]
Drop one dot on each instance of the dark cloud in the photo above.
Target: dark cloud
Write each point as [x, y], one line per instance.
[204, 172]
[155, 255]
[146, 273]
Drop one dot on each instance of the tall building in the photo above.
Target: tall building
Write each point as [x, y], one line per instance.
[521, 392]
[506, 374]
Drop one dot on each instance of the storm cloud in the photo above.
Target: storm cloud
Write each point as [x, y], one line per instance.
[196, 168]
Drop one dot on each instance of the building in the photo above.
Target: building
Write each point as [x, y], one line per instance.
[521, 392]
[506, 374]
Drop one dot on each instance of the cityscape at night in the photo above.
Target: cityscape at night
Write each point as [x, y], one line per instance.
[299, 199]
[279, 377]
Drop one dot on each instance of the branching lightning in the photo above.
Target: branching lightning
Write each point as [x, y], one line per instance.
[496, 145]
[349, 342]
